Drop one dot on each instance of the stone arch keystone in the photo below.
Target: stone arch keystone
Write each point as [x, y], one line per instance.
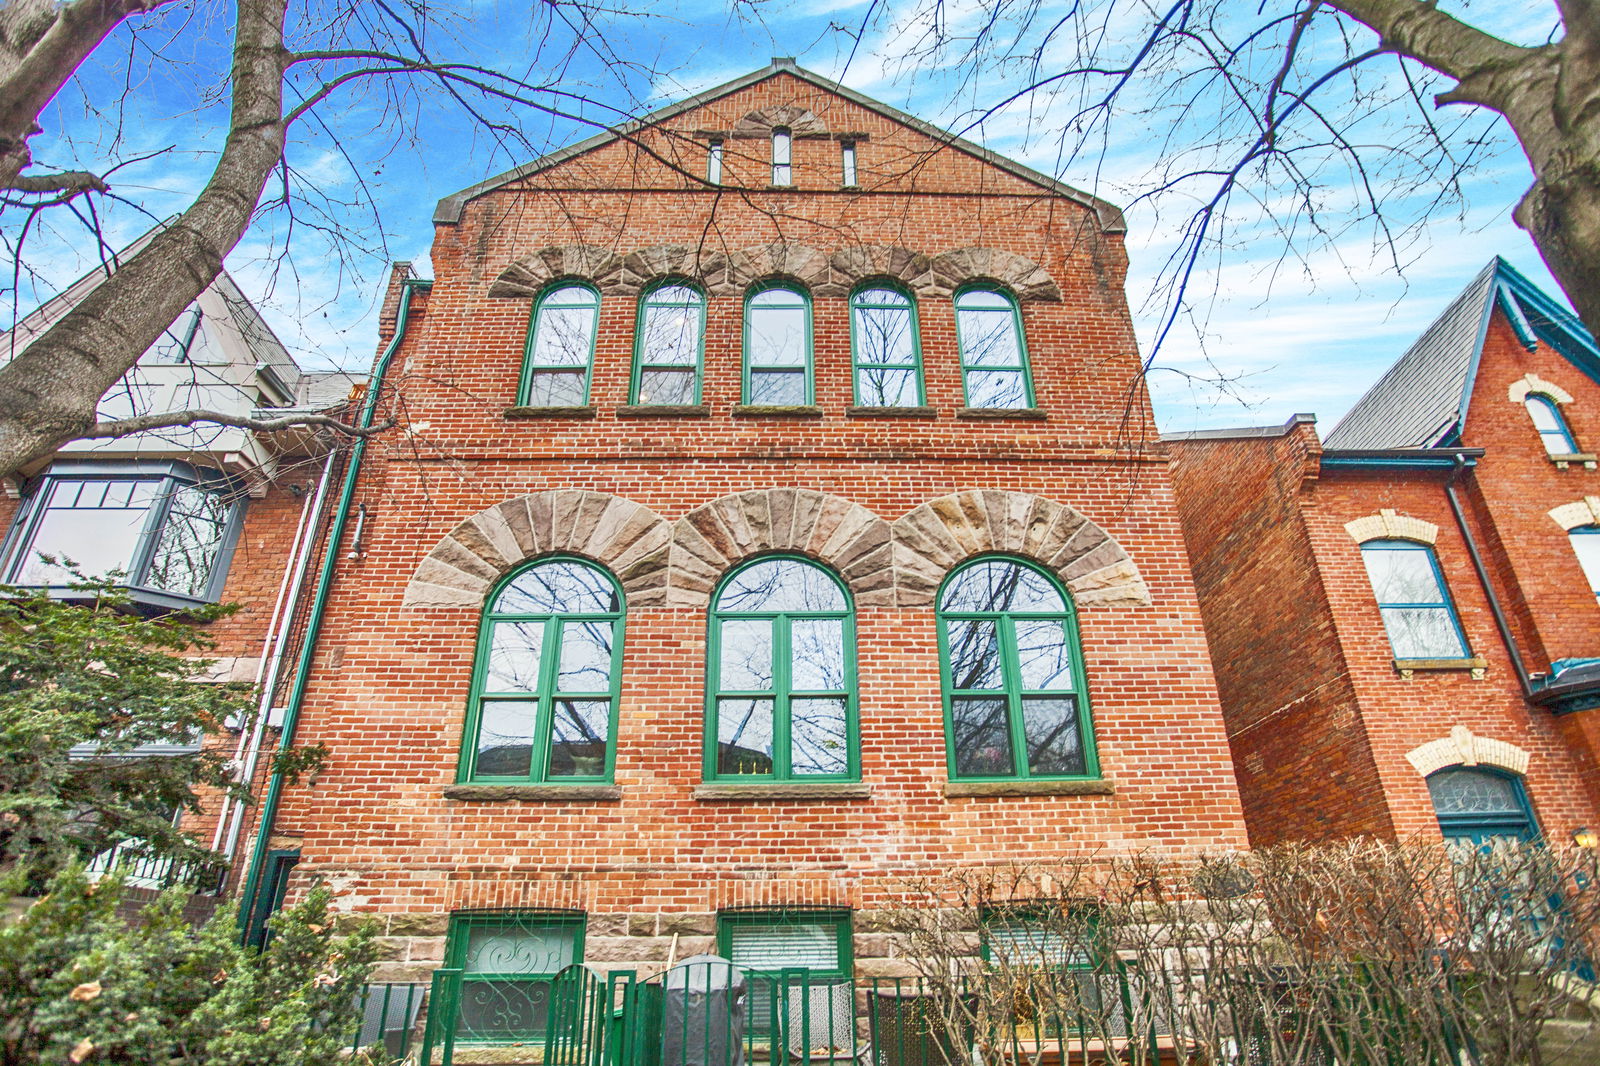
[626, 537]
[940, 534]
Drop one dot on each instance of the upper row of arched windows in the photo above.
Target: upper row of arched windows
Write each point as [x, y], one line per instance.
[669, 347]
[780, 699]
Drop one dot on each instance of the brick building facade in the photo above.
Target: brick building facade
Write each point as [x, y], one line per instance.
[1367, 692]
[783, 371]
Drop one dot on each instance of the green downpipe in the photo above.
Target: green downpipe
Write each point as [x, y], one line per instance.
[319, 604]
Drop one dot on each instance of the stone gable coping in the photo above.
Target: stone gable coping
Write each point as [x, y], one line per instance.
[1584, 512]
[1462, 748]
[1533, 383]
[1387, 525]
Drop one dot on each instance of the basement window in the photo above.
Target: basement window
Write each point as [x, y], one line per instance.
[508, 960]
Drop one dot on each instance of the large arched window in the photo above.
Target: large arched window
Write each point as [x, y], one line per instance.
[777, 347]
[555, 372]
[1417, 613]
[1481, 805]
[994, 360]
[544, 690]
[782, 675]
[668, 345]
[1552, 427]
[1015, 699]
[886, 349]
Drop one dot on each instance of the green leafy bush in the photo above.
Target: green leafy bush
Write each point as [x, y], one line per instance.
[79, 983]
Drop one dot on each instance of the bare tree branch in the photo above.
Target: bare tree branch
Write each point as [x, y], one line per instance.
[123, 427]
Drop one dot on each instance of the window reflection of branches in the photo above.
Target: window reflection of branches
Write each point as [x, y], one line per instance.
[1015, 694]
[994, 363]
[782, 675]
[560, 345]
[883, 334]
[777, 347]
[545, 697]
[670, 331]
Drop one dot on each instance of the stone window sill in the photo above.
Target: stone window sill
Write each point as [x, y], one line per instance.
[1407, 667]
[787, 790]
[538, 793]
[664, 410]
[548, 412]
[747, 410]
[1584, 459]
[1027, 414]
[891, 412]
[1099, 787]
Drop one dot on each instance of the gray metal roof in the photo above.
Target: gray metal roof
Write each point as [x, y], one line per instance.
[1420, 400]
[1110, 216]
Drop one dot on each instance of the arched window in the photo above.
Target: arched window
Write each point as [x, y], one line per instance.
[1417, 613]
[1481, 805]
[668, 345]
[777, 347]
[1015, 699]
[1552, 427]
[555, 372]
[1586, 545]
[994, 360]
[782, 675]
[887, 350]
[544, 691]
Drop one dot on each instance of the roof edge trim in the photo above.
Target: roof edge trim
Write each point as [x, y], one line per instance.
[1244, 432]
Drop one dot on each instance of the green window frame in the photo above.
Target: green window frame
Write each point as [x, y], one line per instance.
[669, 344]
[777, 346]
[1016, 699]
[507, 960]
[885, 346]
[559, 356]
[1053, 934]
[1481, 804]
[752, 938]
[994, 350]
[546, 677]
[781, 675]
[1418, 615]
[1552, 426]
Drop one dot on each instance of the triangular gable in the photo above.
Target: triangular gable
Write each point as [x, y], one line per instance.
[449, 209]
[1421, 401]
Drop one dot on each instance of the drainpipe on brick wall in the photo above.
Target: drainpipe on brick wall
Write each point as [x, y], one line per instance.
[341, 517]
[1483, 577]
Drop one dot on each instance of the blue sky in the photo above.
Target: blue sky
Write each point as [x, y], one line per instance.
[1268, 335]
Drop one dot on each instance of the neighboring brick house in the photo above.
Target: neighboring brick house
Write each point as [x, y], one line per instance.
[189, 515]
[1403, 617]
[761, 413]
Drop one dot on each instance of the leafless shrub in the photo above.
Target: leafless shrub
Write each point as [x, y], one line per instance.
[1360, 952]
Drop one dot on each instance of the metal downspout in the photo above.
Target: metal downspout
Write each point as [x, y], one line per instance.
[1483, 578]
[291, 717]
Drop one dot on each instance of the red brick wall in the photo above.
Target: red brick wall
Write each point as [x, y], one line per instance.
[1300, 750]
[389, 690]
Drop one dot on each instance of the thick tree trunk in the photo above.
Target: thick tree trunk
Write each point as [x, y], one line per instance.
[48, 393]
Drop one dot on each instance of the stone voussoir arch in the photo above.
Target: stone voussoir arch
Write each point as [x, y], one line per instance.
[934, 538]
[1029, 280]
[799, 121]
[855, 263]
[626, 537]
[783, 259]
[716, 536]
[524, 278]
